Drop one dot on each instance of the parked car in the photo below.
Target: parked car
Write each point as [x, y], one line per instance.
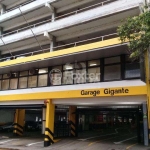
[7, 127]
[31, 125]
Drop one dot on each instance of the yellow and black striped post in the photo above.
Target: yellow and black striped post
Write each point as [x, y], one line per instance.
[19, 122]
[49, 126]
[72, 119]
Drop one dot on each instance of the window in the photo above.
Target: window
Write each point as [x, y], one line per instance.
[23, 73]
[68, 77]
[43, 70]
[5, 76]
[80, 65]
[32, 81]
[93, 63]
[23, 82]
[13, 83]
[94, 74]
[42, 80]
[112, 72]
[55, 78]
[112, 60]
[132, 70]
[57, 67]
[80, 76]
[56, 75]
[5, 84]
[68, 67]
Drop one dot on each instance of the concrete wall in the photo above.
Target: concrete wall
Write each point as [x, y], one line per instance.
[6, 116]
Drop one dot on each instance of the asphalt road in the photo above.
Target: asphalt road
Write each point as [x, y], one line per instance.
[119, 139]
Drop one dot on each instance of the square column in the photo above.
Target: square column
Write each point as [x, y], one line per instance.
[49, 125]
[147, 79]
[73, 121]
[19, 119]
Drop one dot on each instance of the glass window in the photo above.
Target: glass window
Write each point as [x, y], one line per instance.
[112, 72]
[57, 67]
[23, 82]
[42, 80]
[93, 63]
[13, 83]
[32, 81]
[132, 70]
[80, 65]
[5, 84]
[5, 76]
[23, 73]
[33, 71]
[80, 76]
[43, 70]
[68, 67]
[68, 77]
[14, 75]
[112, 60]
[55, 78]
[94, 74]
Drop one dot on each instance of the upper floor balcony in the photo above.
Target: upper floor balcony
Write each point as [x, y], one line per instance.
[88, 20]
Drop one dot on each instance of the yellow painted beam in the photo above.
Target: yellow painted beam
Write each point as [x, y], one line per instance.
[58, 53]
[101, 92]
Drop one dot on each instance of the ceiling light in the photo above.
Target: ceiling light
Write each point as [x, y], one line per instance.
[93, 64]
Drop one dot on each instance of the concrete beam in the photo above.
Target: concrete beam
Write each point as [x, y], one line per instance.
[73, 20]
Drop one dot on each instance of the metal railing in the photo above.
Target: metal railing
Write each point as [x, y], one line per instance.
[62, 16]
[74, 44]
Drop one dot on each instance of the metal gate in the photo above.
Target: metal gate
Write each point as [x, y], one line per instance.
[62, 130]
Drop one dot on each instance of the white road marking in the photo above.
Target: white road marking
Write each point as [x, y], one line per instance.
[33, 143]
[125, 140]
[7, 141]
[96, 137]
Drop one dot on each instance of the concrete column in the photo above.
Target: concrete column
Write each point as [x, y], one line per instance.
[3, 9]
[43, 120]
[19, 120]
[147, 79]
[145, 124]
[54, 15]
[52, 44]
[73, 120]
[49, 126]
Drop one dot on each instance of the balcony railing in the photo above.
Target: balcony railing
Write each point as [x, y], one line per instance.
[74, 44]
[59, 17]
[8, 10]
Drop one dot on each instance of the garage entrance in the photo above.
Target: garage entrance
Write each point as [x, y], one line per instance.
[23, 120]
